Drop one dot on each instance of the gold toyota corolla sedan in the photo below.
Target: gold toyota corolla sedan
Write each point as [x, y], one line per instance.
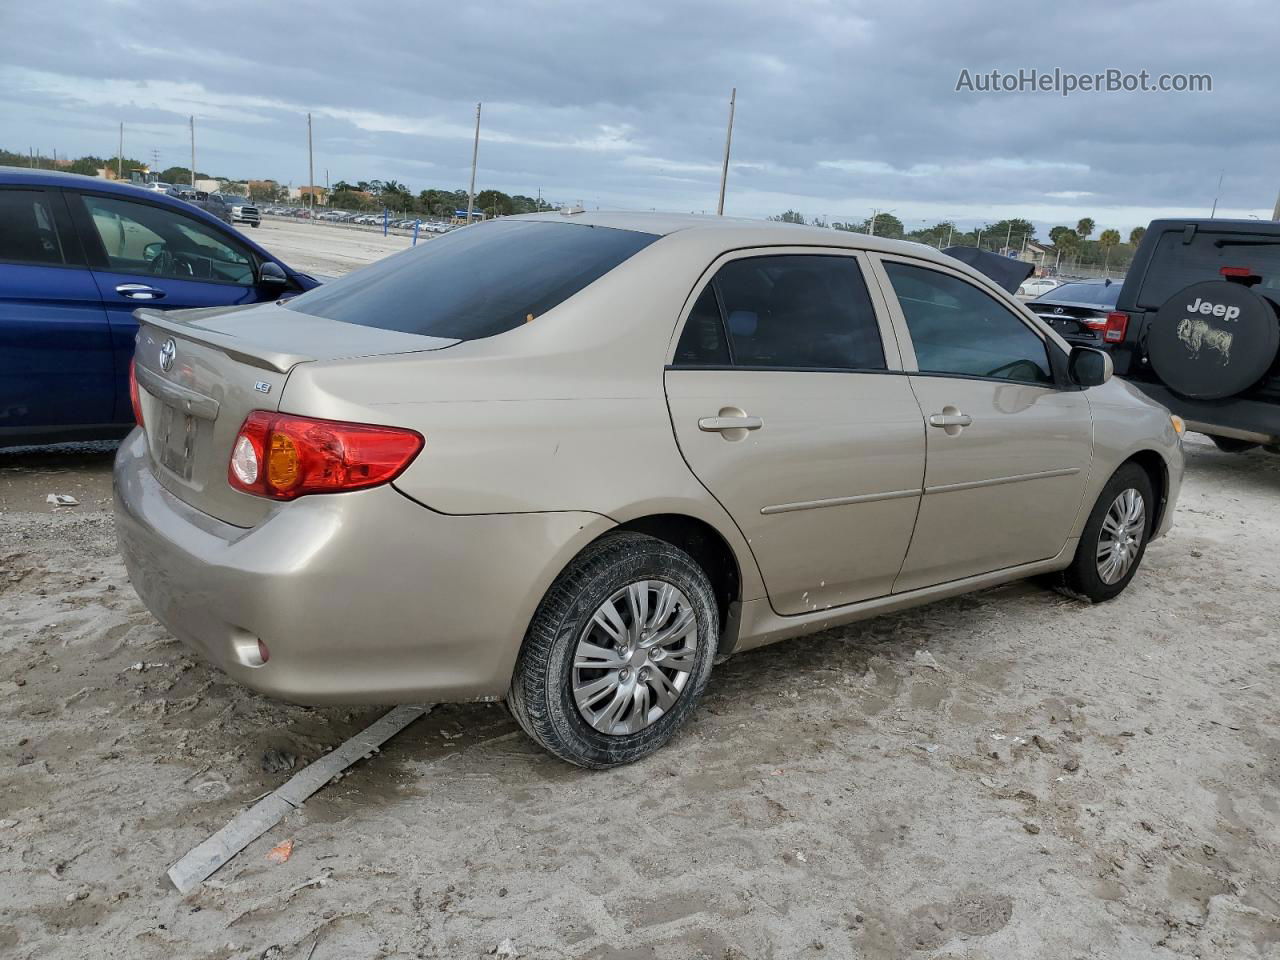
[571, 460]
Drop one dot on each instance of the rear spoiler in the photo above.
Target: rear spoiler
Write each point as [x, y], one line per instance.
[1005, 271]
[276, 360]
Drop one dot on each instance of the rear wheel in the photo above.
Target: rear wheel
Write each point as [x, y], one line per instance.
[1114, 539]
[618, 652]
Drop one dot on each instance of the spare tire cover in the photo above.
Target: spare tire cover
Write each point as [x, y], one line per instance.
[1213, 340]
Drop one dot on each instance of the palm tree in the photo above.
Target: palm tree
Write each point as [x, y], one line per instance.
[1107, 240]
[1085, 227]
[1136, 235]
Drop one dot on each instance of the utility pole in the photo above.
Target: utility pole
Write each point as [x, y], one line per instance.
[1275, 214]
[120, 155]
[311, 169]
[193, 151]
[1008, 236]
[728, 142]
[1216, 194]
[475, 155]
[874, 214]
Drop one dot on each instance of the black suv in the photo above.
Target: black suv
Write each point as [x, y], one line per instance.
[1196, 327]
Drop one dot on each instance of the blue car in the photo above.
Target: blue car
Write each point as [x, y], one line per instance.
[77, 256]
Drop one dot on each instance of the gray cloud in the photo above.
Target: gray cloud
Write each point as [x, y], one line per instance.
[842, 107]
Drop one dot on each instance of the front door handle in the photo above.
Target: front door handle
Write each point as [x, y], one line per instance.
[950, 420]
[139, 291]
[721, 424]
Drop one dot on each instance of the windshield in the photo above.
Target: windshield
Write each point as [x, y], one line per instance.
[1175, 265]
[1102, 294]
[476, 282]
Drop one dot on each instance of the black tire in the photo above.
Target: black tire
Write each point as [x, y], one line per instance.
[541, 697]
[1232, 444]
[1082, 580]
[256, 225]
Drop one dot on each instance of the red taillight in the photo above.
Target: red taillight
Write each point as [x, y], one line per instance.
[281, 456]
[1094, 324]
[1236, 272]
[133, 392]
[1117, 324]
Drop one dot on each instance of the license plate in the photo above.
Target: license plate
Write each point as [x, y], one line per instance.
[176, 439]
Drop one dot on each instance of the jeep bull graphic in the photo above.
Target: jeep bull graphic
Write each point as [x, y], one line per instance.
[1197, 335]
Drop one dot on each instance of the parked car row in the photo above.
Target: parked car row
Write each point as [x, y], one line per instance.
[361, 219]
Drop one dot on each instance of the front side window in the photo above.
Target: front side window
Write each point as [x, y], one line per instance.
[141, 238]
[27, 230]
[790, 311]
[958, 329]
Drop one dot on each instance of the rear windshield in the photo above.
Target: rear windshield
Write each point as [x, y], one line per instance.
[1175, 264]
[477, 282]
[1102, 294]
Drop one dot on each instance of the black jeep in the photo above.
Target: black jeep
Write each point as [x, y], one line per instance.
[1196, 327]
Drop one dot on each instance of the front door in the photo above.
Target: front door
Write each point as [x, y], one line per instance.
[148, 255]
[786, 404]
[1008, 447]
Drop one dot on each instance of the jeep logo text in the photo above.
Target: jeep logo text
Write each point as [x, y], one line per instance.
[1213, 309]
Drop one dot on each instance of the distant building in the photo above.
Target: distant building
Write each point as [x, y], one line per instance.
[320, 194]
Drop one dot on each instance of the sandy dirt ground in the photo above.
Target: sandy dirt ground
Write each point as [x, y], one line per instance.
[327, 249]
[1010, 774]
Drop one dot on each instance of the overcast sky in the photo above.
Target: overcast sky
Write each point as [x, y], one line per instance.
[843, 107]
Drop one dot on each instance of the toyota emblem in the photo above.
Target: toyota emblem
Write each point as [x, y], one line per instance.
[168, 353]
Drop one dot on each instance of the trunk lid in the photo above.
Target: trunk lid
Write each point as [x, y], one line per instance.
[201, 372]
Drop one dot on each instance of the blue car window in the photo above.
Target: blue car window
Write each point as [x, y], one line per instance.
[28, 233]
[142, 238]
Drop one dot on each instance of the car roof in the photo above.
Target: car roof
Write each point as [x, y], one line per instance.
[739, 231]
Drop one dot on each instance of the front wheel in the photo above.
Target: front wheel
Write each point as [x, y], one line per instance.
[618, 652]
[1114, 539]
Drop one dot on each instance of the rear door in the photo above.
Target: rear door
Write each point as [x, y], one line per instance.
[788, 402]
[147, 255]
[1008, 446]
[55, 345]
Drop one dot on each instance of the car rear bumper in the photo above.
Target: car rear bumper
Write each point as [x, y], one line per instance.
[1236, 417]
[362, 597]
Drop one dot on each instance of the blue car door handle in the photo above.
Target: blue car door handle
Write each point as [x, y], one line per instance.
[139, 291]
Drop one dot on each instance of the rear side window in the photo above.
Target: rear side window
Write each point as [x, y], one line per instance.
[28, 233]
[703, 341]
[792, 311]
[477, 282]
[1175, 265]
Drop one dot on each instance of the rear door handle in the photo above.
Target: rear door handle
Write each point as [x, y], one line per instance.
[950, 420]
[720, 424]
[139, 291]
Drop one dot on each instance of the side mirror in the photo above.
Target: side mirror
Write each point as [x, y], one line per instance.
[1088, 367]
[270, 274]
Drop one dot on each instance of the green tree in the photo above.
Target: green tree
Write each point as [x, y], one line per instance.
[1064, 237]
[1014, 230]
[789, 216]
[494, 203]
[1109, 238]
[1136, 235]
[1085, 227]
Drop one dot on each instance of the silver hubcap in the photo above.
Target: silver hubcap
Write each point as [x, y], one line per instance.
[1121, 536]
[634, 657]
